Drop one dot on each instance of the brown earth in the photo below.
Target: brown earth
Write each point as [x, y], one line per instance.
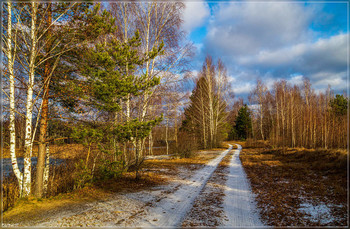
[285, 180]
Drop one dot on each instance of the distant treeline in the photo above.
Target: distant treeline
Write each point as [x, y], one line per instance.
[296, 116]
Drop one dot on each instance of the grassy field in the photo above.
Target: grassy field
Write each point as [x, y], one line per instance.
[298, 187]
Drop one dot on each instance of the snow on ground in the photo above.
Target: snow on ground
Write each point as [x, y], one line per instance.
[106, 213]
[320, 213]
[170, 211]
[239, 202]
[159, 157]
[207, 210]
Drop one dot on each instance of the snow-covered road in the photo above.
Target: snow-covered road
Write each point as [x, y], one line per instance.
[170, 211]
[239, 202]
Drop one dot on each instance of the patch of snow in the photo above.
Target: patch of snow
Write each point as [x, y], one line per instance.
[159, 157]
[320, 213]
[97, 214]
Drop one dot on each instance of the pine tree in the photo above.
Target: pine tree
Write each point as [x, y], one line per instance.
[60, 45]
[243, 127]
[111, 69]
[339, 105]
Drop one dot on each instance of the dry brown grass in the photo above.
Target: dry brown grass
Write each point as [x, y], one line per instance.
[285, 179]
[64, 151]
[199, 158]
[32, 209]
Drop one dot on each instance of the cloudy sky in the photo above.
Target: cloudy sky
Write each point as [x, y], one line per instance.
[272, 40]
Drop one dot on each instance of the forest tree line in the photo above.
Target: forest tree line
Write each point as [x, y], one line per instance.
[295, 116]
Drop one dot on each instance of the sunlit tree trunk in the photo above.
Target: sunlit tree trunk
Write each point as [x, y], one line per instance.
[10, 58]
[46, 170]
[203, 114]
[166, 135]
[150, 143]
[28, 143]
[210, 76]
[175, 129]
[43, 144]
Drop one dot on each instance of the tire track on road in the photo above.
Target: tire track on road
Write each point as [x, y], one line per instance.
[170, 211]
[239, 202]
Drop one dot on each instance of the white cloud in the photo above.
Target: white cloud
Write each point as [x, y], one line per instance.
[195, 15]
[338, 81]
[276, 40]
[328, 53]
[247, 28]
[296, 80]
[242, 88]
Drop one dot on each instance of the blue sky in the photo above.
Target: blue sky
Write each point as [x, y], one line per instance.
[272, 40]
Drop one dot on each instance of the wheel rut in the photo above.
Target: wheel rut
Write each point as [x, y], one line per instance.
[170, 211]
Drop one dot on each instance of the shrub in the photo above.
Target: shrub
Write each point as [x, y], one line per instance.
[108, 169]
[83, 175]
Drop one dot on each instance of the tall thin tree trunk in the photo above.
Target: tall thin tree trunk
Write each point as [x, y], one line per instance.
[150, 143]
[203, 122]
[12, 129]
[292, 119]
[175, 126]
[43, 121]
[46, 169]
[166, 135]
[278, 122]
[211, 109]
[261, 122]
[28, 143]
[138, 159]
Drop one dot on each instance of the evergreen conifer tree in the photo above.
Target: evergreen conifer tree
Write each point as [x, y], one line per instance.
[111, 69]
[243, 127]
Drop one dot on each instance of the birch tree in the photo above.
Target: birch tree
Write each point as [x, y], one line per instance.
[157, 23]
[9, 50]
[302, 118]
[36, 47]
[258, 96]
[206, 114]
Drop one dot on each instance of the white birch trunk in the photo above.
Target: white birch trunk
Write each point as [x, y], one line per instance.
[10, 58]
[28, 143]
[46, 169]
[150, 144]
[292, 119]
[166, 135]
[211, 112]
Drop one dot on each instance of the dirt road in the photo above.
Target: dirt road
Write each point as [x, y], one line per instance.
[239, 203]
[171, 210]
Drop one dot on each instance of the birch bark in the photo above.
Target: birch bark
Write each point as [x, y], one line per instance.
[10, 58]
[46, 169]
[28, 143]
